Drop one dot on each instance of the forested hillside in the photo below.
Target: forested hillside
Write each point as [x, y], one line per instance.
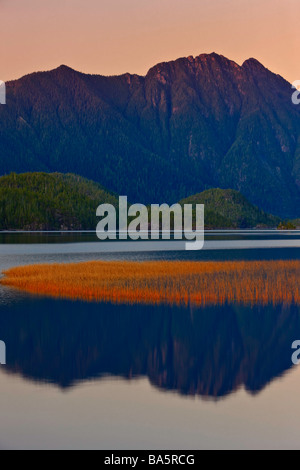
[41, 201]
[226, 208]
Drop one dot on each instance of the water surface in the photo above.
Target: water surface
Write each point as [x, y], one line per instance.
[96, 375]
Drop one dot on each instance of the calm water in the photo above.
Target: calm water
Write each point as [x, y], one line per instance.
[92, 375]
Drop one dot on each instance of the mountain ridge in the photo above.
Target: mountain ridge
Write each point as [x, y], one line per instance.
[191, 58]
[187, 125]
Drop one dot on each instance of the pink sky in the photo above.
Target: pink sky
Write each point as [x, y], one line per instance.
[117, 36]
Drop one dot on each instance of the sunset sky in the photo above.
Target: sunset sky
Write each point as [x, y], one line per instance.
[116, 36]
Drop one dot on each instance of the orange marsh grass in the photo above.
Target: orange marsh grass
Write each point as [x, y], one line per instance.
[163, 282]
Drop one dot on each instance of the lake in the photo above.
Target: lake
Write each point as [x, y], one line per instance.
[93, 375]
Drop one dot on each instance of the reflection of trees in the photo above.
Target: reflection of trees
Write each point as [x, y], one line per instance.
[195, 351]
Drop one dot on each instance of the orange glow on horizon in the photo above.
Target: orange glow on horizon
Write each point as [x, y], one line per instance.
[112, 37]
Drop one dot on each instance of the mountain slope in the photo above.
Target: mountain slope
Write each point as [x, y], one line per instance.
[187, 125]
[40, 201]
[226, 208]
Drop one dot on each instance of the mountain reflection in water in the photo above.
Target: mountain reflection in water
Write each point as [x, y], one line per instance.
[206, 351]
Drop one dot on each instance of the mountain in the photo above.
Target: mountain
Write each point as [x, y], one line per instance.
[40, 201]
[188, 125]
[227, 208]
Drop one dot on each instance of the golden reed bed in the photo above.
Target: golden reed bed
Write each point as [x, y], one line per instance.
[163, 282]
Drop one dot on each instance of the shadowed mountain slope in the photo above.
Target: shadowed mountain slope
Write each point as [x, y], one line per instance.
[186, 126]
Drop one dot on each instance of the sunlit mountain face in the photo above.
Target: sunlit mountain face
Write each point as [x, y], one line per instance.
[186, 126]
